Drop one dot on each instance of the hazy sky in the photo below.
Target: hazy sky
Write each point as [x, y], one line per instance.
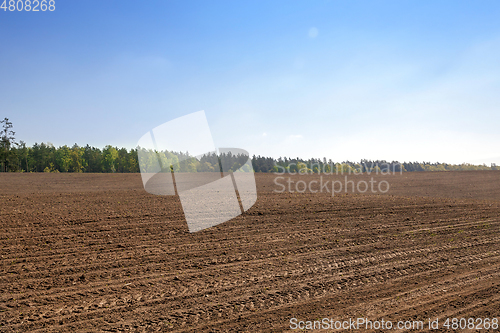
[395, 80]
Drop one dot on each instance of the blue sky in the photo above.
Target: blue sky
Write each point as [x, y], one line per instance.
[395, 80]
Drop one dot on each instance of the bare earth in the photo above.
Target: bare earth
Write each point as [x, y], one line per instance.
[95, 252]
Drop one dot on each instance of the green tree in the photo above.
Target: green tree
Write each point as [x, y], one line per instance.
[110, 154]
[76, 160]
[133, 163]
[122, 160]
[63, 158]
[93, 159]
[24, 153]
[7, 140]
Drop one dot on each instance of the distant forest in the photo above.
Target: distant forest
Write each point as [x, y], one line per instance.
[47, 158]
[44, 157]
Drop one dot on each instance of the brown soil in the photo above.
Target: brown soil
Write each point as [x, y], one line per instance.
[95, 252]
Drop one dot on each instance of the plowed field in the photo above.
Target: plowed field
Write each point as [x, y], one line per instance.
[95, 252]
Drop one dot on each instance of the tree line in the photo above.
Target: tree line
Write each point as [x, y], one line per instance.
[44, 157]
[322, 165]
